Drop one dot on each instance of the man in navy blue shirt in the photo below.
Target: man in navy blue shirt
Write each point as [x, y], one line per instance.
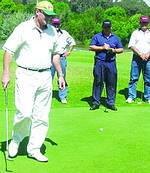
[106, 45]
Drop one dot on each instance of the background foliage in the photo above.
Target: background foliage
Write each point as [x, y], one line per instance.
[81, 18]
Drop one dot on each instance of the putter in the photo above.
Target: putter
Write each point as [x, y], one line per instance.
[7, 129]
[105, 110]
[141, 96]
[104, 88]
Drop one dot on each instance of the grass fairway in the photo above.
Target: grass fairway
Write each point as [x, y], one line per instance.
[75, 143]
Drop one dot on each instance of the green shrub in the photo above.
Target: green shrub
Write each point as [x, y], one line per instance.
[7, 6]
[10, 22]
[20, 8]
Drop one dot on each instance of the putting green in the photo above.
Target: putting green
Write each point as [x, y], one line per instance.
[75, 144]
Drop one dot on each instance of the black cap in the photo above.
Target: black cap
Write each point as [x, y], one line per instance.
[106, 23]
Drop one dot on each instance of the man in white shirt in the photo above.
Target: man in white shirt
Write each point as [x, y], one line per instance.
[67, 43]
[140, 45]
[32, 43]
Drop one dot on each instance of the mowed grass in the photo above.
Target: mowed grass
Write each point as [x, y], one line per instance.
[74, 143]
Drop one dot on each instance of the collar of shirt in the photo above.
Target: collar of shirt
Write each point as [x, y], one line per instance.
[34, 26]
[140, 40]
[110, 35]
[147, 31]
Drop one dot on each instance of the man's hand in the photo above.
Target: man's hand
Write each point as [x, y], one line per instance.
[111, 51]
[61, 82]
[147, 56]
[144, 57]
[106, 46]
[67, 53]
[5, 80]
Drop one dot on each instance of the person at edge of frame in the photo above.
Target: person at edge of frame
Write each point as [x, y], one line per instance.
[32, 42]
[105, 45]
[140, 45]
[68, 43]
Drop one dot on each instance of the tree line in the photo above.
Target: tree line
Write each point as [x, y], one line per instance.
[81, 18]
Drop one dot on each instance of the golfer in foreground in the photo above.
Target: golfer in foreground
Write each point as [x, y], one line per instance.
[33, 43]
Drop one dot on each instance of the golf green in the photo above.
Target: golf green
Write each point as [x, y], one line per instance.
[76, 143]
[84, 141]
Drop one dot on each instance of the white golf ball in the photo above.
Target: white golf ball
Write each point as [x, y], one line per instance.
[101, 129]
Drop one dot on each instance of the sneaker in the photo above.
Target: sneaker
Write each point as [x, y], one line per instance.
[64, 101]
[38, 156]
[129, 100]
[13, 148]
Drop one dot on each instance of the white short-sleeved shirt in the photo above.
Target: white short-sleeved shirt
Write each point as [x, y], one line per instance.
[140, 40]
[65, 40]
[32, 46]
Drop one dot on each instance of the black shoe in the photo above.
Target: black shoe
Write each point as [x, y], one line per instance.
[112, 107]
[94, 106]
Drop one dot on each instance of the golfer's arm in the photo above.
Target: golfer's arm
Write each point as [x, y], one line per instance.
[57, 64]
[71, 48]
[6, 62]
[118, 50]
[135, 50]
[96, 48]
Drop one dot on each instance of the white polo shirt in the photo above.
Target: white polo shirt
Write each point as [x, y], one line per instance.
[32, 46]
[65, 40]
[140, 40]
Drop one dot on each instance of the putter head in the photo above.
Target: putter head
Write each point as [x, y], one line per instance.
[8, 170]
[106, 111]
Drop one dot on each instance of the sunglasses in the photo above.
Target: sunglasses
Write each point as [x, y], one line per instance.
[46, 15]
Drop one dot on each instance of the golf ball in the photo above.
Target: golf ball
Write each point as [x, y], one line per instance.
[101, 129]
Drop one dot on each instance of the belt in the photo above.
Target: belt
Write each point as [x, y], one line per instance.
[62, 55]
[38, 70]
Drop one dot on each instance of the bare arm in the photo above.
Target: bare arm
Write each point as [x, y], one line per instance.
[6, 65]
[105, 47]
[137, 52]
[67, 53]
[56, 62]
[98, 48]
[117, 50]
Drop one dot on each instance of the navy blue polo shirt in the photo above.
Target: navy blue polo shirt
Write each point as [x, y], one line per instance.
[99, 40]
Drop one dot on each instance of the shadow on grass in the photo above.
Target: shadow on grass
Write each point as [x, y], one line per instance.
[90, 99]
[23, 146]
[139, 94]
[55, 95]
[125, 93]
[50, 141]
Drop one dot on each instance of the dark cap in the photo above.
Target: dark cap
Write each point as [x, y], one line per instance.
[144, 19]
[106, 23]
[56, 21]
